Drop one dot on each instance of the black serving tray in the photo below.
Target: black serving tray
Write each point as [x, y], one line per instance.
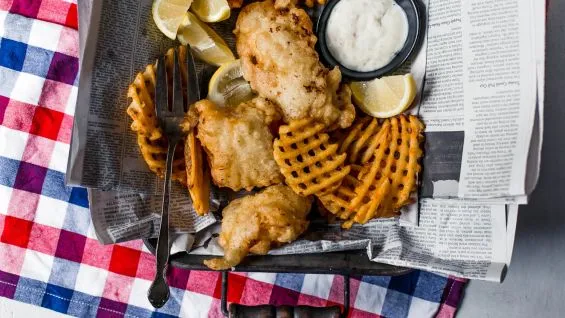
[342, 263]
[347, 263]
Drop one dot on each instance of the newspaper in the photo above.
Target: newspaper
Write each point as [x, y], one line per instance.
[457, 238]
[481, 100]
[124, 216]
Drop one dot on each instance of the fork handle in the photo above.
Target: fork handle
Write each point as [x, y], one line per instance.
[158, 293]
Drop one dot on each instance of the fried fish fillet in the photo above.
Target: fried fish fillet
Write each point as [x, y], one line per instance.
[258, 222]
[239, 143]
[234, 4]
[276, 45]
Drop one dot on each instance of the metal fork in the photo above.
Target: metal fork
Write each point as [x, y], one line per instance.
[170, 119]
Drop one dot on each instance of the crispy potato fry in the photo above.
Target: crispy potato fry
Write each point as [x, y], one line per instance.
[197, 174]
[152, 143]
[188, 166]
[384, 162]
[396, 159]
[306, 158]
[360, 143]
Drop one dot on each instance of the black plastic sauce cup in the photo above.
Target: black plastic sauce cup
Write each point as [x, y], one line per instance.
[416, 26]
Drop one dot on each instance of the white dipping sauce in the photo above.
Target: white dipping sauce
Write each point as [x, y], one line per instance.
[365, 35]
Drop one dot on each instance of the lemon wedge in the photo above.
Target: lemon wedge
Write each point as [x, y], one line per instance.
[227, 87]
[211, 10]
[206, 44]
[385, 97]
[168, 15]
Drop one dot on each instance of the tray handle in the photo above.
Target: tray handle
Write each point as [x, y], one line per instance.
[268, 311]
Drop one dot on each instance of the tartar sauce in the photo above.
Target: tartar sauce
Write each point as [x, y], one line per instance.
[365, 35]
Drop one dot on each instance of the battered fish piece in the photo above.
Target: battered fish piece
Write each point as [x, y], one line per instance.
[239, 143]
[256, 223]
[234, 4]
[276, 45]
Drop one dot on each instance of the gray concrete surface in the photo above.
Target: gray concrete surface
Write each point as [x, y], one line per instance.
[535, 284]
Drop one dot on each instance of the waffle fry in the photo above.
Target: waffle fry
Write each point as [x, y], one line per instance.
[389, 177]
[337, 202]
[197, 174]
[360, 142]
[152, 143]
[141, 109]
[307, 160]
[189, 168]
[384, 166]
[154, 152]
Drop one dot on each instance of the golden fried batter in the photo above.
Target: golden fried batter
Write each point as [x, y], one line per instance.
[239, 143]
[256, 223]
[276, 45]
[234, 4]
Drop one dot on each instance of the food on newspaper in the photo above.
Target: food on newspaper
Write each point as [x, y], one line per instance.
[306, 158]
[386, 96]
[359, 168]
[258, 222]
[188, 170]
[239, 143]
[275, 43]
[385, 164]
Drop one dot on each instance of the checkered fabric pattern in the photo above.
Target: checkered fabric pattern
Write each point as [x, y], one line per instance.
[49, 255]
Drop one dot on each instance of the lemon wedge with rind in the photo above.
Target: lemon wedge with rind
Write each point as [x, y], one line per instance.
[169, 14]
[211, 10]
[385, 97]
[206, 44]
[227, 87]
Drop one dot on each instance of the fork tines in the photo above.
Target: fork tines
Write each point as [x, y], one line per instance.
[169, 101]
